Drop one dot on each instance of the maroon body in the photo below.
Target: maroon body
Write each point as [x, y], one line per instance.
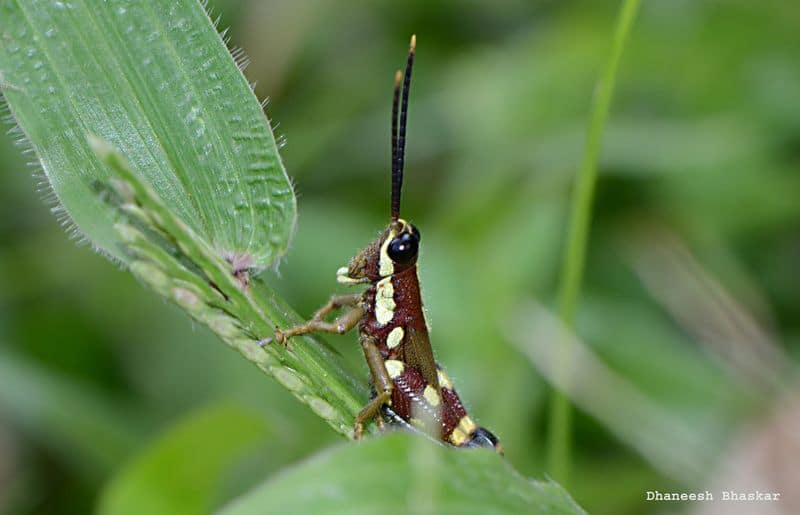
[422, 393]
[407, 397]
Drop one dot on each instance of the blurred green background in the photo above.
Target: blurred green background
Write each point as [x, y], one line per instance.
[692, 294]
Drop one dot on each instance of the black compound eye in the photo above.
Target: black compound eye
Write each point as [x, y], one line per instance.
[403, 249]
[415, 232]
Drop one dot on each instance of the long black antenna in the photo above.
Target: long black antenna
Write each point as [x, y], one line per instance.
[397, 180]
[398, 156]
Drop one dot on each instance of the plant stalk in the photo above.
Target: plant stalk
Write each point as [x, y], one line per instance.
[573, 264]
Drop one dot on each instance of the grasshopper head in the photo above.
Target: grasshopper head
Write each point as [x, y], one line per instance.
[395, 250]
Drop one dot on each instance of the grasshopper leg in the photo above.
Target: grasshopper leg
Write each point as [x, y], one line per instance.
[383, 384]
[341, 325]
[337, 302]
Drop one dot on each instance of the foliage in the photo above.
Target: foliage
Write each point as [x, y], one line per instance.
[428, 477]
[155, 81]
[696, 191]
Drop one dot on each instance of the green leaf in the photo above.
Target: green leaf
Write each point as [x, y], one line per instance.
[174, 261]
[400, 474]
[154, 79]
[182, 471]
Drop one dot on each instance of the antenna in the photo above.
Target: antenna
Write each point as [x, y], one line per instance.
[399, 148]
[397, 180]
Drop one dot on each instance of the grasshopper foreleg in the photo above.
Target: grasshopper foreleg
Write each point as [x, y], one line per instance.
[317, 324]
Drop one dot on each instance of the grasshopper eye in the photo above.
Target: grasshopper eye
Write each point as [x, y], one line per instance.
[403, 249]
[415, 232]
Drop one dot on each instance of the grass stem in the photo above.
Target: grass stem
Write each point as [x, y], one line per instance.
[575, 250]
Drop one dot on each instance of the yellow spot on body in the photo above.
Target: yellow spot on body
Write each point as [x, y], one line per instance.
[458, 437]
[395, 337]
[444, 380]
[467, 425]
[431, 395]
[384, 301]
[385, 263]
[394, 367]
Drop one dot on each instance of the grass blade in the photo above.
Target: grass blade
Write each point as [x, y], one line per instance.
[145, 95]
[578, 236]
[167, 255]
[154, 79]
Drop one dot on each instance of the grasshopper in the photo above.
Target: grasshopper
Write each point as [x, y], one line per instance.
[410, 388]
